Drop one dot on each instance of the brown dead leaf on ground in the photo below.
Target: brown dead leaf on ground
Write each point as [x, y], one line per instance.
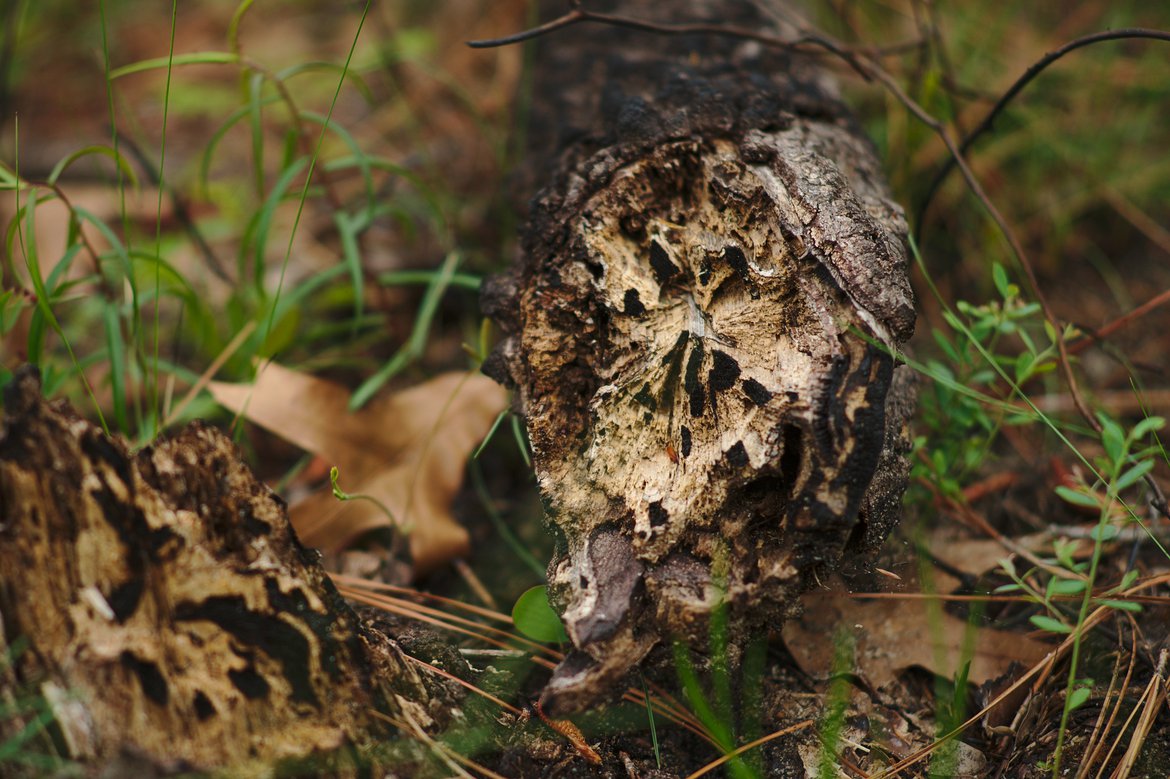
[893, 634]
[406, 450]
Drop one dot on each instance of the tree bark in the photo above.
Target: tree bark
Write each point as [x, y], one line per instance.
[700, 331]
[170, 614]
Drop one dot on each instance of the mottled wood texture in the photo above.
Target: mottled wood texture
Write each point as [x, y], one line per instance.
[169, 611]
[699, 331]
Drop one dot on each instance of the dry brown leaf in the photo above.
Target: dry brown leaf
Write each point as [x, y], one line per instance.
[893, 634]
[407, 450]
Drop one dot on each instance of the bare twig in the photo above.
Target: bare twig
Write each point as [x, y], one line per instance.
[1031, 73]
[1108, 329]
[578, 16]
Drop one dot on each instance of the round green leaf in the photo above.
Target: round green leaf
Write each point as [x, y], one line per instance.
[536, 619]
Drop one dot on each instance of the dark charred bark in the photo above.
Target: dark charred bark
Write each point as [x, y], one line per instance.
[700, 332]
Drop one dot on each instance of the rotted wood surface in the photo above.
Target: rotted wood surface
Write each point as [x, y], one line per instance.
[170, 614]
[700, 332]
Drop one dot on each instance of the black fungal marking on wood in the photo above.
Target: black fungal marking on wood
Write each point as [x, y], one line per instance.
[251, 684]
[658, 515]
[685, 435]
[691, 381]
[673, 360]
[737, 455]
[664, 269]
[757, 393]
[596, 269]
[154, 686]
[738, 262]
[724, 371]
[645, 397]
[704, 271]
[633, 303]
[125, 598]
[790, 457]
[270, 634]
[204, 708]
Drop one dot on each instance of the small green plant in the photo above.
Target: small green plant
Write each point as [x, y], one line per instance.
[967, 400]
[343, 496]
[1127, 458]
[836, 703]
[986, 390]
[726, 723]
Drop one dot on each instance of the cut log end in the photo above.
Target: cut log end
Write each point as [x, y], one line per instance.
[701, 336]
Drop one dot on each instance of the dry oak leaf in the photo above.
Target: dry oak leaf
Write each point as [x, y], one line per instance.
[407, 450]
[891, 635]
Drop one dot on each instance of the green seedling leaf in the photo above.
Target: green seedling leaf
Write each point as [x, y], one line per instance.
[1145, 427]
[1104, 533]
[1078, 697]
[416, 344]
[535, 618]
[490, 433]
[1063, 549]
[267, 213]
[1045, 622]
[999, 275]
[1027, 310]
[1112, 438]
[116, 354]
[653, 729]
[945, 345]
[1065, 587]
[1121, 605]
[1130, 477]
[1078, 498]
[1023, 367]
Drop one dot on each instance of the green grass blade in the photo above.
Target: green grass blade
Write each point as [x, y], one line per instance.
[124, 168]
[116, 354]
[356, 79]
[175, 60]
[357, 155]
[209, 150]
[416, 344]
[312, 167]
[266, 214]
[256, 125]
[348, 229]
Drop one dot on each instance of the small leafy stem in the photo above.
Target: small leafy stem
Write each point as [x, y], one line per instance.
[343, 496]
[1123, 467]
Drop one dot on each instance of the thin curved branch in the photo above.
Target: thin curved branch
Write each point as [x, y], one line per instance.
[577, 16]
[1027, 77]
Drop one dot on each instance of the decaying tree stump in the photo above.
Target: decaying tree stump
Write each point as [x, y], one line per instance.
[170, 613]
[700, 332]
